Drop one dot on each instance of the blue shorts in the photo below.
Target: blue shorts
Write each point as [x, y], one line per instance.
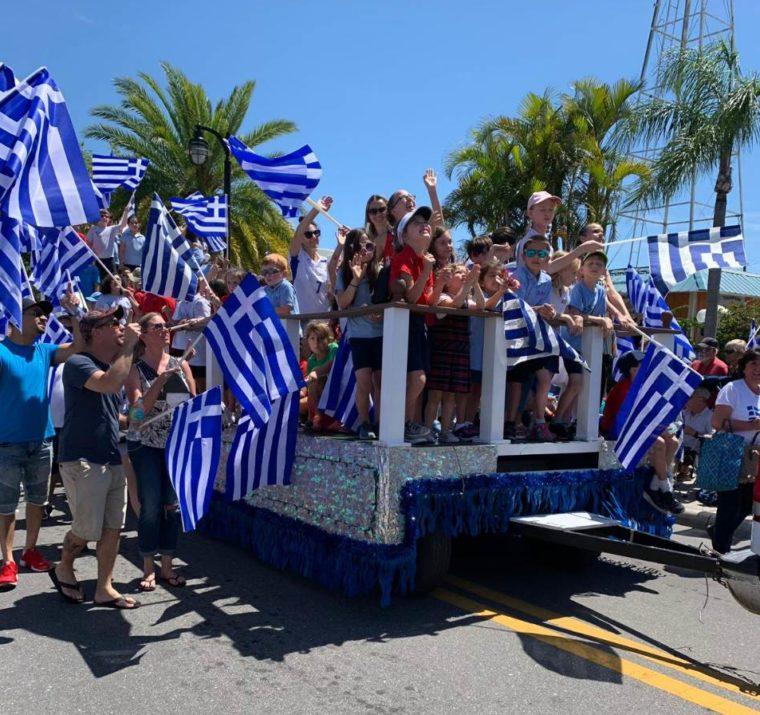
[367, 353]
[26, 463]
[419, 350]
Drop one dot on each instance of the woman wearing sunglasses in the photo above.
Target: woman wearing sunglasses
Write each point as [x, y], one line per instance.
[310, 270]
[378, 227]
[353, 289]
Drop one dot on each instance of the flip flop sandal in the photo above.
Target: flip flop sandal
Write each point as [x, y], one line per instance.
[150, 587]
[60, 585]
[120, 603]
[175, 581]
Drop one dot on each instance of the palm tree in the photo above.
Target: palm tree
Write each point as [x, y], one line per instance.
[711, 111]
[158, 122]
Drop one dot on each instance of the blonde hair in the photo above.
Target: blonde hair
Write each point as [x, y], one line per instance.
[276, 259]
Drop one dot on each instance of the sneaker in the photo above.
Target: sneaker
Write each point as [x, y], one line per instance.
[448, 437]
[8, 576]
[32, 559]
[467, 431]
[366, 431]
[510, 431]
[542, 433]
[415, 433]
[672, 504]
[560, 430]
[655, 499]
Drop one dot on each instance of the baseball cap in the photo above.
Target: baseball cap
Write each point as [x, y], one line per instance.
[44, 305]
[708, 343]
[598, 254]
[539, 196]
[98, 318]
[425, 211]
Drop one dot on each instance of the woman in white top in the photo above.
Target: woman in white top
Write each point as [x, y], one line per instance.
[310, 271]
[112, 294]
[739, 404]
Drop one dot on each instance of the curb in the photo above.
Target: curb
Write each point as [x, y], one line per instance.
[697, 517]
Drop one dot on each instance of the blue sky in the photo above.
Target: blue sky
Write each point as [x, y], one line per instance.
[381, 91]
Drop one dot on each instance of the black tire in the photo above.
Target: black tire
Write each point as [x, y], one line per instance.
[433, 561]
[559, 556]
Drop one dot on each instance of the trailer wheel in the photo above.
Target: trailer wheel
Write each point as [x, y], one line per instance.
[433, 561]
[559, 556]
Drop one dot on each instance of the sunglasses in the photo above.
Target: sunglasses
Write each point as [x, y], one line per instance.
[312, 234]
[366, 246]
[380, 210]
[271, 271]
[533, 252]
[156, 327]
[405, 197]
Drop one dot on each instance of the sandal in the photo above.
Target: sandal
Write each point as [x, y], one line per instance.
[175, 580]
[122, 603]
[60, 585]
[147, 583]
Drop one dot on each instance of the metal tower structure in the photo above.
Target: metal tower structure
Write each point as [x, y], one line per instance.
[679, 24]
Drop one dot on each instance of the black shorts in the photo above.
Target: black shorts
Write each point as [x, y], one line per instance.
[525, 370]
[198, 371]
[572, 367]
[476, 377]
[367, 353]
[419, 351]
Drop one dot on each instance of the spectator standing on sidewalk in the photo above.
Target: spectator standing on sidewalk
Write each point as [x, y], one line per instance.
[26, 437]
[90, 462]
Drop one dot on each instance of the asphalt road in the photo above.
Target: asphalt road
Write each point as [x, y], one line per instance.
[504, 634]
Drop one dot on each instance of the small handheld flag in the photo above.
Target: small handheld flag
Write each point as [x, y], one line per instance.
[206, 216]
[111, 172]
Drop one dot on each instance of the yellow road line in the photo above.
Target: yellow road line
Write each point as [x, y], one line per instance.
[605, 659]
[569, 623]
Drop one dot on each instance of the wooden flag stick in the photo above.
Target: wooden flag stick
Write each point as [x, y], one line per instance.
[315, 205]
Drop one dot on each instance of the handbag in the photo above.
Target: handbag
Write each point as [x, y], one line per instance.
[721, 461]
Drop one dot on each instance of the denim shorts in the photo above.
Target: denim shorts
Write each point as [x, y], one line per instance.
[26, 463]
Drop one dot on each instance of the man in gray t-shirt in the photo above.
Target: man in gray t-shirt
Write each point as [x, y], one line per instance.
[90, 464]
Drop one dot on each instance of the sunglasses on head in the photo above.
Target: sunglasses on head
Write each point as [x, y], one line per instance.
[533, 252]
[271, 271]
[379, 210]
[313, 234]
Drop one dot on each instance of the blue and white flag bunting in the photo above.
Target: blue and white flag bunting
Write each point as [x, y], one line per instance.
[43, 177]
[287, 180]
[529, 337]
[675, 256]
[193, 451]
[253, 350]
[111, 172]
[206, 217]
[263, 456]
[338, 398]
[753, 339]
[167, 265]
[659, 392]
[648, 301]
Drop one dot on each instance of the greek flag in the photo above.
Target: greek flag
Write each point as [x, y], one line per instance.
[263, 456]
[193, 451]
[529, 337]
[623, 344]
[253, 350]
[339, 395]
[753, 341]
[207, 217]
[167, 265]
[10, 270]
[661, 388]
[651, 305]
[43, 177]
[287, 180]
[111, 172]
[60, 253]
[55, 334]
[29, 238]
[675, 256]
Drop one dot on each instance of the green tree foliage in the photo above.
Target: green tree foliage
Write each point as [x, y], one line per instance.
[157, 122]
[735, 322]
[569, 145]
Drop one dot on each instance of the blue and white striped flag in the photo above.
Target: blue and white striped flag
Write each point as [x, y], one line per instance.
[287, 180]
[753, 340]
[111, 172]
[43, 177]
[636, 289]
[675, 256]
[60, 253]
[659, 392]
[529, 336]
[253, 350]
[263, 456]
[11, 280]
[339, 394]
[29, 238]
[167, 265]
[623, 344]
[206, 216]
[55, 334]
[193, 451]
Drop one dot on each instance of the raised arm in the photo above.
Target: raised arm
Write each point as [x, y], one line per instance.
[558, 264]
[431, 183]
[110, 381]
[297, 241]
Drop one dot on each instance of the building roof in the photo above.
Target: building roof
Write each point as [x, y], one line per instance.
[731, 282]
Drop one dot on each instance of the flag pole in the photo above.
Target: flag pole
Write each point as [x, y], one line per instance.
[315, 205]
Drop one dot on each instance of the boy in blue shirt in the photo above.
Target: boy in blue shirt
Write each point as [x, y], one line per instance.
[588, 298]
[535, 289]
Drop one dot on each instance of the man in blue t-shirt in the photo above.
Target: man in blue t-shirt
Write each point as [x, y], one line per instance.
[26, 450]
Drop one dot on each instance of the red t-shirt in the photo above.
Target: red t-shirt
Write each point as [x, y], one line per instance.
[388, 247]
[407, 261]
[152, 303]
[615, 399]
[716, 367]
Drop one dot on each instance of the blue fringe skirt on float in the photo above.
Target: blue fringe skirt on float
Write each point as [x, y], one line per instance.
[468, 506]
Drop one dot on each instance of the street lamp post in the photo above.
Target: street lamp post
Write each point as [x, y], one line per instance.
[198, 151]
